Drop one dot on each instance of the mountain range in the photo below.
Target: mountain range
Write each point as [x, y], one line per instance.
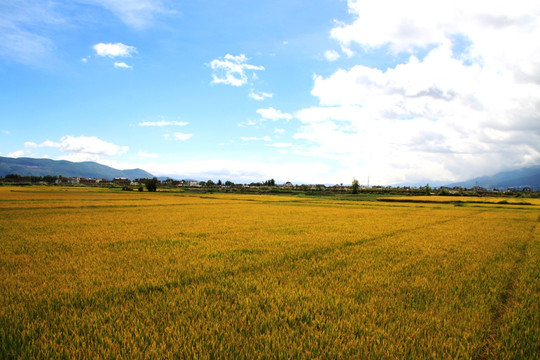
[524, 177]
[88, 169]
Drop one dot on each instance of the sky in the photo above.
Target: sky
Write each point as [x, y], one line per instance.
[318, 91]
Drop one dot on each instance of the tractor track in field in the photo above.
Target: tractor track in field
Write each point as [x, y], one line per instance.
[105, 298]
[505, 297]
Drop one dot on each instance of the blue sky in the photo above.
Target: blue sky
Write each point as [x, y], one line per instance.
[319, 91]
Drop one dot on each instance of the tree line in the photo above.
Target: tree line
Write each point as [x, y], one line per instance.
[49, 179]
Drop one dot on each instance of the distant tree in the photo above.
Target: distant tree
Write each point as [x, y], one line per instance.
[49, 179]
[355, 186]
[210, 183]
[141, 188]
[428, 190]
[219, 183]
[443, 192]
[151, 185]
[229, 183]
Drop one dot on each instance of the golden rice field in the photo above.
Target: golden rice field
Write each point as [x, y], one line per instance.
[97, 273]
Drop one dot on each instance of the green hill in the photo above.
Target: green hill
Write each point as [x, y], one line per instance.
[87, 169]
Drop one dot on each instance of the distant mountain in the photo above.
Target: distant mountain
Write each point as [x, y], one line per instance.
[525, 177]
[87, 169]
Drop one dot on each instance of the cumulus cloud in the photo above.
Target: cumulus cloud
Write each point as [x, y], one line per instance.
[90, 145]
[468, 107]
[26, 26]
[16, 154]
[122, 65]
[46, 143]
[181, 136]
[231, 70]
[331, 55]
[81, 148]
[242, 171]
[259, 96]
[273, 114]
[114, 50]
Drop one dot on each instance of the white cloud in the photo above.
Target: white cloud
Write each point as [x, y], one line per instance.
[241, 171]
[122, 65]
[163, 123]
[181, 136]
[279, 131]
[492, 28]
[148, 155]
[260, 96]
[273, 114]
[331, 55]
[16, 154]
[114, 50]
[48, 143]
[231, 70]
[90, 145]
[26, 25]
[21, 41]
[347, 51]
[24, 47]
[468, 108]
[135, 13]
[81, 148]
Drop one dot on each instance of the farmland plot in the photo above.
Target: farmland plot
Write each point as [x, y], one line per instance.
[95, 273]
